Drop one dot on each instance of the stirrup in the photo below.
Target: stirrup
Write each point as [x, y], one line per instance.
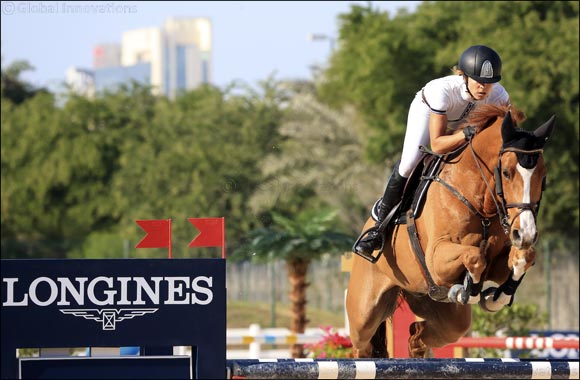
[369, 256]
[380, 229]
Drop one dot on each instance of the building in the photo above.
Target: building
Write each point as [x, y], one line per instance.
[81, 81]
[171, 59]
[106, 55]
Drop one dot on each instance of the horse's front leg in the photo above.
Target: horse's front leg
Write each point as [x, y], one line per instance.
[450, 260]
[493, 299]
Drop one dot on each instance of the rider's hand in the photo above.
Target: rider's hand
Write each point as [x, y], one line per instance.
[469, 132]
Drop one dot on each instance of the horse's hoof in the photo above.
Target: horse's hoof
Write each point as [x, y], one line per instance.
[457, 294]
[486, 301]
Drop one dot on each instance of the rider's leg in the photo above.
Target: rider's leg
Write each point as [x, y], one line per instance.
[416, 134]
[391, 197]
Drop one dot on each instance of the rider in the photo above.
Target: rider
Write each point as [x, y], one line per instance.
[434, 115]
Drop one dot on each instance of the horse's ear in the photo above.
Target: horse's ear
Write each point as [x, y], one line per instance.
[508, 132]
[545, 130]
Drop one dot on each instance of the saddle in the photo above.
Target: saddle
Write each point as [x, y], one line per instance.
[415, 191]
[413, 199]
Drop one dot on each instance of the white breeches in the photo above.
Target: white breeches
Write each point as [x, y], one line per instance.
[417, 134]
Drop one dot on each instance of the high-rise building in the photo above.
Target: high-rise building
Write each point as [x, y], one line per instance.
[173, 58]
[81, 81]
[106, 55]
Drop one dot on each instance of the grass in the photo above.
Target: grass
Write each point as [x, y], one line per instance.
[242, 314]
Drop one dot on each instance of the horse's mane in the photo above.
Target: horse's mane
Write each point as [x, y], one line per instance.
[485, 115]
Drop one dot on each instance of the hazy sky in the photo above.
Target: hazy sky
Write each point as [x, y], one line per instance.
[251, 39]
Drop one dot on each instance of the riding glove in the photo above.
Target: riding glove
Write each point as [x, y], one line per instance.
[469, 132]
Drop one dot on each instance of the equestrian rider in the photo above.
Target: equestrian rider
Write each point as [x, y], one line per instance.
[434, 115]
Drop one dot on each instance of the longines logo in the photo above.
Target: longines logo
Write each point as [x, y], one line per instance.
[115, 293]
[109, 317]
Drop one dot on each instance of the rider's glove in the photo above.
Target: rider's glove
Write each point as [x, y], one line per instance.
[469, 132]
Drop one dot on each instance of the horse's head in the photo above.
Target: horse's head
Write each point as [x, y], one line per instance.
[520, 178]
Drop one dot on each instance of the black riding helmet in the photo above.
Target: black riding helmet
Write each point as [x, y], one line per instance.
[481, 64]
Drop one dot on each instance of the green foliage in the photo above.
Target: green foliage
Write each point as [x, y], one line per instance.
[319, 156]
[79, 176]
[304, 236]
[14, 88]
[516, 320]
[102, 245]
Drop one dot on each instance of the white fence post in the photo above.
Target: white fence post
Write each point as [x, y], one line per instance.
[255, 349]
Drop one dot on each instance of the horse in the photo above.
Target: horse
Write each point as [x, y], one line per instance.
[468, 238]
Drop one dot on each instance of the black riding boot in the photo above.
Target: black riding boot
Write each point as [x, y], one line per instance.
[391, 197]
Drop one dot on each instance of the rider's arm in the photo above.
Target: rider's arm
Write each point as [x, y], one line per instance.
[440, 141]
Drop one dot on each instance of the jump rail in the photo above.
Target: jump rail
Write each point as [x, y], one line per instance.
[401, 369]
[519, 343]
[255, 337]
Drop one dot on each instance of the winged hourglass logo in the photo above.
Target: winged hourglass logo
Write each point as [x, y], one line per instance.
[109, 317]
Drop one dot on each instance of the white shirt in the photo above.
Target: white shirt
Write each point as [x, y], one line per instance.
[448, 95]
[445, 96]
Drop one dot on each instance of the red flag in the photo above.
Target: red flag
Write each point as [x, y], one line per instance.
[211, 232]
[158, 234]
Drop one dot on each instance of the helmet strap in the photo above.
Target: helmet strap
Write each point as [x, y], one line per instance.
[467, 86]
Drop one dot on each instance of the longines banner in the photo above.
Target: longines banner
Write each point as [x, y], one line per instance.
[115, 302]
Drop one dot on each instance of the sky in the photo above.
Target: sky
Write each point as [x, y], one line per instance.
[252, 40]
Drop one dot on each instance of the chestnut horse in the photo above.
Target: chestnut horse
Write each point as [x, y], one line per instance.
[476, 228]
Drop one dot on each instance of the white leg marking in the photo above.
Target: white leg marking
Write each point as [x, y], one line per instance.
[519, 269]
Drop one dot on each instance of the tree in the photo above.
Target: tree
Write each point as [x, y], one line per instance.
[296, 239]
[57, 168]
[197, 157]
[321, 150]
[75, 178]
[13, 87]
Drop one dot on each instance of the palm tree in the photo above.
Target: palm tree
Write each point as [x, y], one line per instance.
[320, 162]
[322, 150]
[297, 240]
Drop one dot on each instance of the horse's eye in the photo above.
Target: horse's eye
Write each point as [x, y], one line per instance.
[505, 173]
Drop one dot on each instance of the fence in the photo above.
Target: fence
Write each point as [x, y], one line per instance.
[253, 282]
[264, 343]
[553, 287]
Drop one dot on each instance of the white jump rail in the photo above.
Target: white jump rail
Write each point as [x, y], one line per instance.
[255, 337]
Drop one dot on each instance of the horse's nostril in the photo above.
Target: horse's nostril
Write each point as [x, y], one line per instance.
[516, 235]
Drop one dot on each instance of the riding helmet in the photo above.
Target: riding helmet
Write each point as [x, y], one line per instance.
[481, 63]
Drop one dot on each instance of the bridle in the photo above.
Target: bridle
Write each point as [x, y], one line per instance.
[503, 207]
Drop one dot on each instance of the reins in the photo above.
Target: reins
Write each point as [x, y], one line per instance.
[485, 222]
[501, 207]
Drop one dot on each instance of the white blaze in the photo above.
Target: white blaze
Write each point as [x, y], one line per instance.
[527, 222]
